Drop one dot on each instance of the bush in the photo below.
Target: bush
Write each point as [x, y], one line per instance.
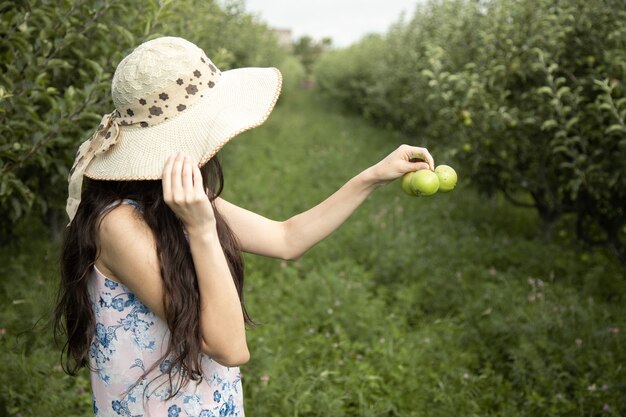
[293, 76]
[56, 63]
[528, 96]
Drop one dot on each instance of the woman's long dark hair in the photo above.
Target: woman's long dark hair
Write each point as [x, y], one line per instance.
[74, 316]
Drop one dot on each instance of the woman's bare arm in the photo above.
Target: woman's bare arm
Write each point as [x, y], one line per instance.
[221, 316]
[291, 238]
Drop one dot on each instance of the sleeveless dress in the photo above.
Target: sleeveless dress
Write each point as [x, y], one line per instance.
[129, 338]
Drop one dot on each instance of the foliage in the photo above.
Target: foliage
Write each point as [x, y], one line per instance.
[308, 51]
[449, 306]
[32, 380]
[527, 95]
[293, 75]
[56, 63]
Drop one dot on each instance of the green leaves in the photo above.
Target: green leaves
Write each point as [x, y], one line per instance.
[545, 90]
[11, 186]
[542, 123]
[615, 129]
[58, 59]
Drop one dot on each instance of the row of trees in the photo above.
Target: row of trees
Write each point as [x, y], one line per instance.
[57, 59]
[529, 96]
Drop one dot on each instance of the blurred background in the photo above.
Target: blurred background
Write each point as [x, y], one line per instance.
[504, 297]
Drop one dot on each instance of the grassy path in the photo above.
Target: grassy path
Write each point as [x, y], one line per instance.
[439, 307]
[415, 306]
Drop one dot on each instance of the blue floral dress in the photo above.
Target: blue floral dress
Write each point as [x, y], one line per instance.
[128, 340]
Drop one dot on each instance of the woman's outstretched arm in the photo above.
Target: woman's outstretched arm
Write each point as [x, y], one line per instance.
[291, 238]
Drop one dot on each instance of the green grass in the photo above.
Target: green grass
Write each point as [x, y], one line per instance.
[445, 306]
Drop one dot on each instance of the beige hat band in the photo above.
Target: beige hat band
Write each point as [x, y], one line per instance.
[105, 137]
[170, 101]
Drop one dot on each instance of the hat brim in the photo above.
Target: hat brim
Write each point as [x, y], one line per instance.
[241, 100]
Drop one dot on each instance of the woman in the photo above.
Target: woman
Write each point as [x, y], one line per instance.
[151, 295]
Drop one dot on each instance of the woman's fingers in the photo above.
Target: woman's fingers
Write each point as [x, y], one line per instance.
[427, 156]
[187, 177]
[420, 165]
[182, 179]
[183, 192]
[167, 178]
[430, 159]
[177, 178]
[198, 186]
[177, 183]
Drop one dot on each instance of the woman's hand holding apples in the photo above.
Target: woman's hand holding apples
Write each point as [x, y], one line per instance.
[404, 159]
[417, 168]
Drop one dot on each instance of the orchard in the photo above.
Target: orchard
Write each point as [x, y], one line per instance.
[527, 96]
[57, 61]
[490, 285]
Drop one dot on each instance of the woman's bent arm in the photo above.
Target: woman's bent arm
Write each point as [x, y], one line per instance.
[221, 315]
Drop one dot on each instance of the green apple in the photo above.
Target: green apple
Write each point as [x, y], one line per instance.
[467, 117]
[447, 178]
[424, 183]
[406, 183]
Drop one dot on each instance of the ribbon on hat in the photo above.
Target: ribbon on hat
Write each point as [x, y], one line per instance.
[102, 140]
[142, 110]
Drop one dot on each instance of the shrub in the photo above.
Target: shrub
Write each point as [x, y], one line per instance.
[293, 76]
[528, 96]
[56, 63]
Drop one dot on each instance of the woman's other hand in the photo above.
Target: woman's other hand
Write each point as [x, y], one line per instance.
[404, 159]
[184, 193]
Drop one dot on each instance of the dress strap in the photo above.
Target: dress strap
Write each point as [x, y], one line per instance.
[124, 201]
[132, 203]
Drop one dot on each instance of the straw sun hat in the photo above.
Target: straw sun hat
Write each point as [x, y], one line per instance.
[170, 97]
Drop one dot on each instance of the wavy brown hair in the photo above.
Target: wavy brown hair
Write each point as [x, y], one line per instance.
[74, 317]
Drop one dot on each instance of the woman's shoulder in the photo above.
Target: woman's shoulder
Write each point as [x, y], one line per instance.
[120, 227]
[120, 215]
[128, 255]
